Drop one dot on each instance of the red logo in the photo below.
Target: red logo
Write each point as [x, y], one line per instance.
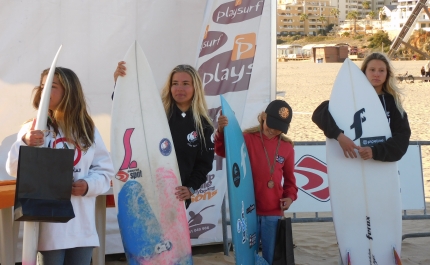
[312, 173]
[78, 152]
[129, 166]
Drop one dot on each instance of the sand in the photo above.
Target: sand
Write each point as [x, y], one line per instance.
[306, 84]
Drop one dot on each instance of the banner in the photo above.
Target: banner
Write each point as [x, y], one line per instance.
[311, 176]
[225, 64]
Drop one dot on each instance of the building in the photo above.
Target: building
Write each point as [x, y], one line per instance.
[345, 6]
[318, 17]
[330, 53]
[400, 15]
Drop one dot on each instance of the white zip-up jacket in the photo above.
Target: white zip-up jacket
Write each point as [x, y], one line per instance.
[95, 167]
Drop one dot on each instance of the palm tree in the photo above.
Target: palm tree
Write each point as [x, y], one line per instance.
[335, 12]
[304, 17]
[382, 15]
[371, 15]
[366, 5]
[354, 16]
[322, 20]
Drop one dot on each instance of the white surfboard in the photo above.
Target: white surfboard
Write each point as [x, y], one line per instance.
[152, 222]
[365, 194]
[30, 237]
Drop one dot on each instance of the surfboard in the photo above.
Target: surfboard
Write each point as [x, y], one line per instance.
[30, 236]
[152, 221]
[365, 194]
[243, 215]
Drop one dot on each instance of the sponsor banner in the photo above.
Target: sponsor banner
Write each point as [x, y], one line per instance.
[225, 64]
[312, 180]
[227, 52]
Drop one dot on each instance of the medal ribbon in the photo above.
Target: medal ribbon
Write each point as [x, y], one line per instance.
[271, 167]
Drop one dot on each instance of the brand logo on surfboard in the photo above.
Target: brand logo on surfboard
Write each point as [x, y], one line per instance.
[165, 147]
[242, 225]
[371, 141]
[311, 176]
[369, 228]
[358, 120]
[236, 175]
[128, 168]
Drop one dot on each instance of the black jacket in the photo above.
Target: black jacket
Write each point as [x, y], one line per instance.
[195, 159]
[391, 150]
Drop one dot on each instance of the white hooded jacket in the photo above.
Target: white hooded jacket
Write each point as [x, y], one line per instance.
[95, 167]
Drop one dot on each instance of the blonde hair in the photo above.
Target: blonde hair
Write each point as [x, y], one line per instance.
[261, 117]
[71, 114]
[389, 86]
[198, 104]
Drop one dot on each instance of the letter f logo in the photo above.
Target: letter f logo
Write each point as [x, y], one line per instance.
[358, 120]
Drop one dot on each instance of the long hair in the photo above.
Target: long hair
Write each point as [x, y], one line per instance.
[389, 86]
[198, 104]
[261, 117]
[71, 114]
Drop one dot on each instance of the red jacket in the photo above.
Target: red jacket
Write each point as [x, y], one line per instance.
[267, 200]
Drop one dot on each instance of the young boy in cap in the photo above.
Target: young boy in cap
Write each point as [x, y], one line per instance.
[271, 156]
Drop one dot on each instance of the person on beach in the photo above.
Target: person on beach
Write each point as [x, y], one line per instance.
[71, 242]
[190, 126]
[271, 155]
[378, 71]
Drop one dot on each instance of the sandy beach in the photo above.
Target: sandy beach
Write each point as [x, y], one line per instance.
[306, 85]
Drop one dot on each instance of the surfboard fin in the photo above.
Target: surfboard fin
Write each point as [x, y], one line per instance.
[396, 257]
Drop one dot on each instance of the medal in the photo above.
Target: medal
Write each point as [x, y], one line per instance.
[270, 184]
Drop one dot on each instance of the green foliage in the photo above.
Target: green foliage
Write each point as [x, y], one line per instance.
[378, 38]
[345, 34]
[358, 37]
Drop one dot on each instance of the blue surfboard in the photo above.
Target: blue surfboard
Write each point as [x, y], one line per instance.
[243, 215]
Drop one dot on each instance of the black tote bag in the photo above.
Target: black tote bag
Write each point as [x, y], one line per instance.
[284, 248]
[44, 185]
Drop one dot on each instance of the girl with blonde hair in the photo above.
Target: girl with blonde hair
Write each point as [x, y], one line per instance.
[190, 126]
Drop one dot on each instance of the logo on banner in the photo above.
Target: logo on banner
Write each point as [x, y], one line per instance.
[237, 11]
[213, 41]
[244, 46]
[221, 75]
[313, 174]
[195, 223]
[128, 168]
[206, 191]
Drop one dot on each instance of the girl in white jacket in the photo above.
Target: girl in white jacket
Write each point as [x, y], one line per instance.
[71, 242]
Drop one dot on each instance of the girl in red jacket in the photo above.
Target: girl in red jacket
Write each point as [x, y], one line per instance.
[271, 156]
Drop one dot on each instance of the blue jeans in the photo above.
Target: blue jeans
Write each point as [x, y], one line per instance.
[70, 256]
[266, 227]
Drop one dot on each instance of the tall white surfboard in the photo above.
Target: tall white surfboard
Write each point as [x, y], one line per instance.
[31, 229]
[365, 194]
[152, 222]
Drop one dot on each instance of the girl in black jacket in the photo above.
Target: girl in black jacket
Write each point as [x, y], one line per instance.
[378, 71]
